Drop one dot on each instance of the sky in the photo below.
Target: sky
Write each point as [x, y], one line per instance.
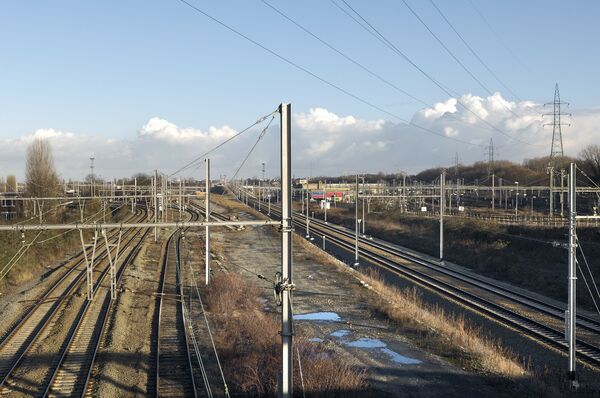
[144, 85]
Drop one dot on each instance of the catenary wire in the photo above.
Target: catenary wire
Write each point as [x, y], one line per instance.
[451, 93]
[325, 81]
[199, 158]
[475, 53]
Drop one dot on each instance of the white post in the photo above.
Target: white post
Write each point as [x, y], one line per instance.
[207, 233]
[325, 201]
[356, 224]
[155, 193]
[572, 271]
[442, 208]
[286, 385]
[307, 219]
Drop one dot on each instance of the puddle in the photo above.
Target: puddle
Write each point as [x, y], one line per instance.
[395, 357]
[340, 333]
[318, 316]
[316, 340]
[372, 344]
[366, 343]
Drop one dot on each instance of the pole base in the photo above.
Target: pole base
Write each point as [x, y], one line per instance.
[573, 383]
[356, 264]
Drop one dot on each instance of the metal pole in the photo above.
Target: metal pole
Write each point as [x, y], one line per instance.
[551, 191]
[180, 201]
[562, 201]
[493, 192]
[207, 230]
[572, 271]
[286, 385]
[442, 182]
[356, 224]
[307, 219]
[325, 200]
[517, 198]
[155, 186]
[363, 217]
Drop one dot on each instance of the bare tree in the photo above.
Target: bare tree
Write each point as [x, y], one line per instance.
[11, 184]
[42, 180]
[590, 155]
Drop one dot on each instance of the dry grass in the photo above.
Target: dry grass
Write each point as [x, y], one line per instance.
[249, 345]
[444, 332]
[40, 256]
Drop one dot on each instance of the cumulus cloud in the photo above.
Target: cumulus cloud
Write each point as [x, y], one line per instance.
[164, 130]
[324, 142]
[322, 120]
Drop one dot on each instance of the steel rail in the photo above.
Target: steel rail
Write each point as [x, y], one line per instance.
[77, 383]
[11, 362]
[587, 352]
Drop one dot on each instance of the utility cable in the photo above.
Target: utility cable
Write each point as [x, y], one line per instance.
[5, 271]
[209, 331]
[510, 51]
[325, 81]
[199, 158]
[588, 287]
[379, 36]
[462, 65]
[260, 136]
[588, 267]
[474, 52]
[189, 325]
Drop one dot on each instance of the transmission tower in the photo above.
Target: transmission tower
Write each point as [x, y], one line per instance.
[557, 144]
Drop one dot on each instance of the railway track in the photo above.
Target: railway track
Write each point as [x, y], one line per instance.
[15, 348]
[174, 369]
[385, 254]
[73, 271]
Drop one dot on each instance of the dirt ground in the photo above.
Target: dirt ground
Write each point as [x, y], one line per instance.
[394, 366]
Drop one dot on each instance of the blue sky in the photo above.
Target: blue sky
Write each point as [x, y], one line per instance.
[105, 68]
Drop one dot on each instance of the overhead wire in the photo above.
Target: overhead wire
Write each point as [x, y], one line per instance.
[451, 93]
[499, 38]
[491, 72]
[260, 136]
[199, 158]
[212, 341]
[325, 81]
[451, 53]
[589, 271]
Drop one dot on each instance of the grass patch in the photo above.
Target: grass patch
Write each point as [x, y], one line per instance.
[49, 249]
[249, 345]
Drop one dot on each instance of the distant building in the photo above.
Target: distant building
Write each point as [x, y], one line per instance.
[10, 208]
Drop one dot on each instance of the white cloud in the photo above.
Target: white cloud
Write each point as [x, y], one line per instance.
[323, 141]
[164, 130]
[322, 120]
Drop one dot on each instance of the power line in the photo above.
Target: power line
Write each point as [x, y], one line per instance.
[346, 56]
[260, 136]
[452, 93]
[462, 65]
[323, 80]
[475, 53]
[199, 158]
[499, 38]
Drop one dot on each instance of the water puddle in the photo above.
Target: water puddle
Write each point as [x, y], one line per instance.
[340, 333]
[373, 344]
[316, 340]
[318, 316]
[364, 342]
[401, 359]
